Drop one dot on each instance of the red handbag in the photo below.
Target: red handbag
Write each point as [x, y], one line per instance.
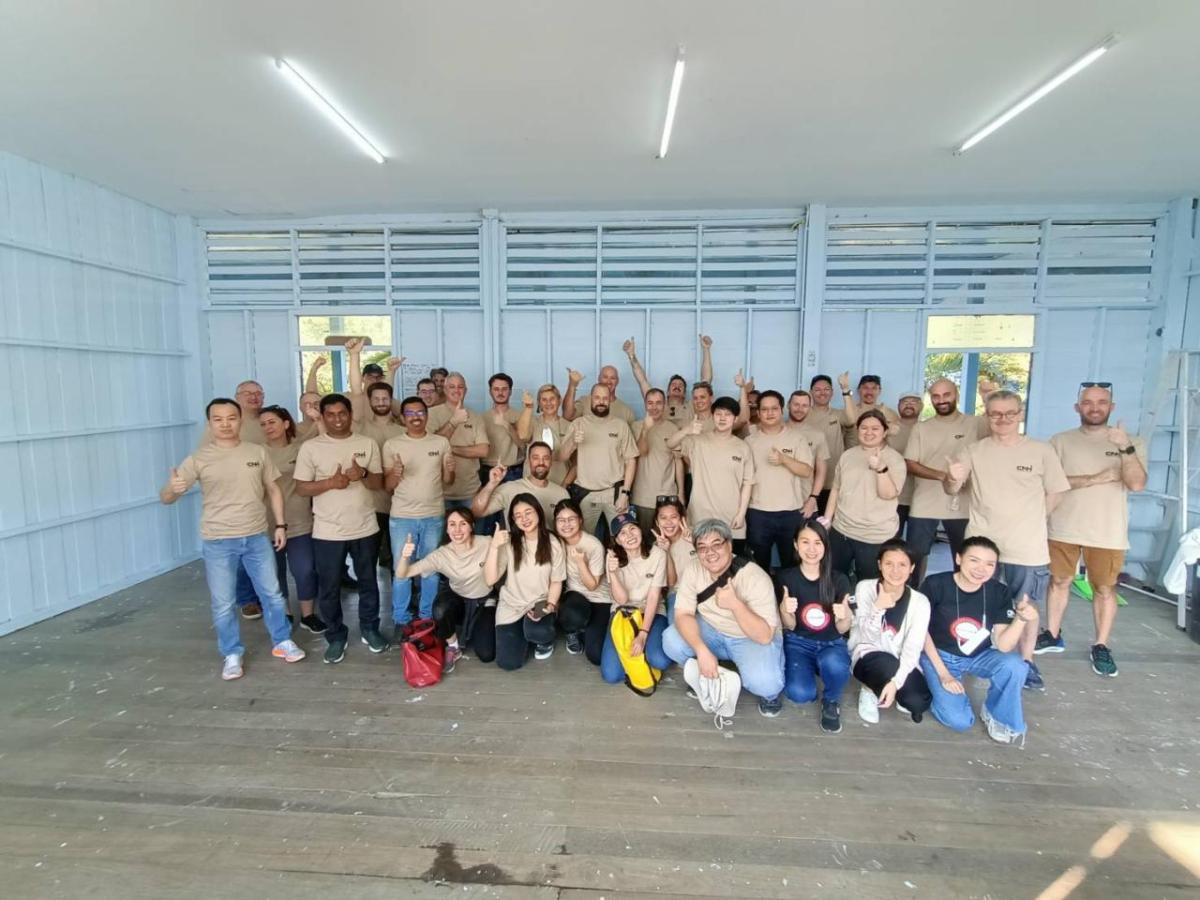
[422, 653]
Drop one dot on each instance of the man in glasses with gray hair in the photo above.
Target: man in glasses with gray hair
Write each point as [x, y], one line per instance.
[1103, 464]
[1015, 482]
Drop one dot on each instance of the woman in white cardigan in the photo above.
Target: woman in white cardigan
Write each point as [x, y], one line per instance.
[887, 637]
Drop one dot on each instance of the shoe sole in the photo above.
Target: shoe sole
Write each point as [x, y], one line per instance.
[311, 630]
[540, 658]
[571, 652]
[773, 714]
[225, 677]
[288, 659]
[1105, 674]
[837, 730]
[251, 618]
[331, 662]
[372, 649]
[1044, 650]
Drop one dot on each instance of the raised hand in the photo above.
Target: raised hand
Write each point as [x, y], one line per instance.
[705, 341]
[357, 472]
[178, 484]
[527, 399]
[448, 464]
[611, 563]
[339, 480]
[696, 427]
[789, 604]
[685, 530]
[354, 344]
[496, 475]
[398, 467]
[775, 456]
[1118, 435]
[956, 471]
[574, 376]
[841, 608]
[844, 381]
[459, 416]
[319, 362]
[630, 348]
[393, 363]
[725, 596]
[410, 547]
[875, 461]
[500, 537]
[577, 431]
[660, 540]
[739, 380]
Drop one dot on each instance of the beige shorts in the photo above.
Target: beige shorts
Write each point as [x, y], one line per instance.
[1103, 566]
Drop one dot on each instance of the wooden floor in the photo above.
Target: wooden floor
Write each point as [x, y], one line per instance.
[129, 769]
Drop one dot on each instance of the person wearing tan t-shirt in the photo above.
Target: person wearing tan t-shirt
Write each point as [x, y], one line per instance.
[339, 469]
[465, 608]
[536, 568]
[250, 397]
[722, 469]
[606, 461]
[497, 495]
[1015, 483]
[610, 378]
[417, 466]
[725, 609]
[800, 417]
[909, 408]
[637, 577]
[783, 465]
[931, 444]
[547, 427]
[1103, 464]
[673, 536]
[862, 501]
[283, 447]
[234, 478]
[467, 434]
[660, 469]
[676, 407]
[504, 444]
[378, 420]
[869, 389]
[828, 420]
[585, 598]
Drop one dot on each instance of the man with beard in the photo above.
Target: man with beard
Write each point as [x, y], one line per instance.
[828, 420]
[439, 375]
[1103, 464]
[931, 444]
[380, 425]
[677, 409]
[497, 495]
[909, 407]
[610, 378]
[606, 461]
[801, 417]
[869, 389]
[467, 434]
[501, 425]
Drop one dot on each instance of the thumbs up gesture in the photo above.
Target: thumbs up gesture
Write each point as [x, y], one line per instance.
[448, 464]
[398, 467]
[496, 475]
[574, 376]
[339, 480]
[577, 431]
[841, 608]
[1118, 435]
[178, 485]
[410, 547]
[875, 461]
[775, 456]
[696, 427]
[956, 470]
[459, 416]
[739, 379]
[789, 604]
[611, 563]
[357, 472]
[844, 381]
[527, 399]
[500, 538]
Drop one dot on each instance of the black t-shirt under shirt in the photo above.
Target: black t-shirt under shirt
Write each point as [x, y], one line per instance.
[956, 615]
[813, 620]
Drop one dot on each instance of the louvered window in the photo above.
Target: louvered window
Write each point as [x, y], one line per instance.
[341, 268]
[250, 268]
[438, 268]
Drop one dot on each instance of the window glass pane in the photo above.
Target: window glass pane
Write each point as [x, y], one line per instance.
[953, 332]
[314, 330]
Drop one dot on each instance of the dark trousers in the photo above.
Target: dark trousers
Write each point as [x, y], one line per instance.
[581, 614]
[876, 669]
[923, 532]
[822, 500]
[330, 557]
[854, 556]
[385, 544]
[772, 530]
[458, 615]
[902, 511]
[514, 639]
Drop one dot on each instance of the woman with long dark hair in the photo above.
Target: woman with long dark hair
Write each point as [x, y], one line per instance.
[536, 567]
[465, 606]
[815, 609]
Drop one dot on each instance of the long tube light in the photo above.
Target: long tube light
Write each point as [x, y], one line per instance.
[672, 103]
[1037, 94]
[331, 112]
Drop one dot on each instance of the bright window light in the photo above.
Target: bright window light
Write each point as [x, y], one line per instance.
[1013, 111]
[305, 87]
[672, 102]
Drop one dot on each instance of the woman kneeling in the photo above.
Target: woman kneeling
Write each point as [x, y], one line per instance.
[636, 578]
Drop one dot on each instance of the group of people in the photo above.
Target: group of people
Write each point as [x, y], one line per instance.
[786, 537]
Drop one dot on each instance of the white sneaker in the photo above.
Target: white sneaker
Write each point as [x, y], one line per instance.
[543, 651]
[232, 669]
[868, 706]
[998, 731]
[288, 651]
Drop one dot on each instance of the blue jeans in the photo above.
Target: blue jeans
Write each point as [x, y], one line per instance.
[426, 534]
[611, 669]
[760, 665]
[1005, 673]
[222, 557]
[805, 658]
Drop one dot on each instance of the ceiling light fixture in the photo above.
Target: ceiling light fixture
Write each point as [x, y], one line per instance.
[1037, 94]
[314, 96]
[672, 102]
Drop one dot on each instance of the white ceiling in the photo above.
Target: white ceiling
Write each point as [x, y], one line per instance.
[558, 104]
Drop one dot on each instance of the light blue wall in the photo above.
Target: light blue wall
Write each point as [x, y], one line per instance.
[97, 351]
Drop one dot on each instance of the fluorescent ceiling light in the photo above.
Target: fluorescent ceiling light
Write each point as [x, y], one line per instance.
[314, 96]
[672, 102]
[1012, 112]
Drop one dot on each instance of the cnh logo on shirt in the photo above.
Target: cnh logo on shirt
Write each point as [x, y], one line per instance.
[253, 464]
[1024, 468]
[433, 453]
[612, 434]
[735, 459]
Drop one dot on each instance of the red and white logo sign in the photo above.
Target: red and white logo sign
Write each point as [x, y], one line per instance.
[965, 629]
[815, 618]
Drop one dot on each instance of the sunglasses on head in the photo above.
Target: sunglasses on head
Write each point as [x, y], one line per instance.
[665, 498]
[1105, 385]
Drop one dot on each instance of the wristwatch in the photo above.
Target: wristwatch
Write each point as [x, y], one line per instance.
[1130, 450]
[881, 471]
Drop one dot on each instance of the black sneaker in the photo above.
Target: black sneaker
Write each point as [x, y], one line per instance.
[375, 641]
[831, 717]
[312, 623]
[770, 707]
[1033, 679]
[1048, 643]
[1102, 661]
[574, 643]
[335, 652]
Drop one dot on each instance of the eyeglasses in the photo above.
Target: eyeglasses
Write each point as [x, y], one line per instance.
[563, 520]
[710, 549]
[1007, 416]
[414, 414]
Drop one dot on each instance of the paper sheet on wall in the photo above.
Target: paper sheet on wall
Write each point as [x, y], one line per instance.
[410, 374]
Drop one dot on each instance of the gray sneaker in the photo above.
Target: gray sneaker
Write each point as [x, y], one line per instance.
[375, 641]
[335, 652]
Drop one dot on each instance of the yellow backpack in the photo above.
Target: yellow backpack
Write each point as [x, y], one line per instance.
[640, 676]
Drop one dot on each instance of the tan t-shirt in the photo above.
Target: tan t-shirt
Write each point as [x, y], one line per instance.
[617, 409]
[233, 483]
[522, 589]
[1008, 488]
[708, 424]
[607, 444]
[419, 494]
[861, 513]
[464, 572]
[593, 551]
[829, 423]
[503, 449]
[547, 496]
[850, 432]
[656, 468]
[818, 445]
[752, 585]
[720, 466]
[679, 413]
[465, 434]
[775, 488]
[251, 433]
[932, 443]
[347, 514]
[1096, 516]
[683, 555]
[297, 510]
[380, 430]
[306, 430]
[897, 439]
[640, 575]
[555, 434]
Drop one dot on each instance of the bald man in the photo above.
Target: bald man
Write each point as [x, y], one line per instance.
[606, 460]
[610, 378]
